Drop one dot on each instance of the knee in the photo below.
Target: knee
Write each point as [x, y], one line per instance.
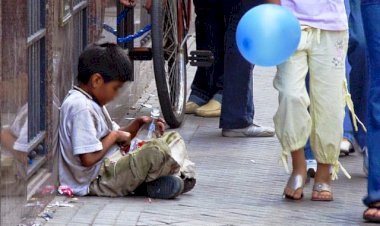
[154, 150]
[291, 98]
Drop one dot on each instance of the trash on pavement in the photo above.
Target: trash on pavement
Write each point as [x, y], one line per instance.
[65, 190]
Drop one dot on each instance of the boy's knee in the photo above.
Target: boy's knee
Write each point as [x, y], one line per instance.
[155, 150]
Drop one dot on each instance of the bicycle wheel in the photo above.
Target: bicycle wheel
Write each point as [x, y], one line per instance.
[169, 59]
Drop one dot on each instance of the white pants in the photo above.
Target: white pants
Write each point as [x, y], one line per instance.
[318, 115]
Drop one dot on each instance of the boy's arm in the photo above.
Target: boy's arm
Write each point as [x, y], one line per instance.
[121, 137]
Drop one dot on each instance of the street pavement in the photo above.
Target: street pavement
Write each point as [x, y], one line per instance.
[239, 180]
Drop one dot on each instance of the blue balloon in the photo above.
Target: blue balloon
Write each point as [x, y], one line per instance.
[268, 35]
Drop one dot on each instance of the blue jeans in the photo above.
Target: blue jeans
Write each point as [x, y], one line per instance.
[371, 17]
[237, 104]
[358, 81]
[210, 31]
[355, 65]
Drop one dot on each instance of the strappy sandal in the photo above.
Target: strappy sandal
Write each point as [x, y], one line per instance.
[295, 182]
[372, 218]
[322, 187]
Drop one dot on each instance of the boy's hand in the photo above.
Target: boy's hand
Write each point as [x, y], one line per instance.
[160, 123]
[123, 139]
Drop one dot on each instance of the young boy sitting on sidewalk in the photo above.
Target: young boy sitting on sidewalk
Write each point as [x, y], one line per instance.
[91, 144]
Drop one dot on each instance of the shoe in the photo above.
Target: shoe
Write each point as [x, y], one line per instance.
[311, 166]
[191, 107]
[212, 109]
[346, 147]
[319, 188]
[189, 184]
[295, 182]
[365, 161]
[253, 130]
[167, 187]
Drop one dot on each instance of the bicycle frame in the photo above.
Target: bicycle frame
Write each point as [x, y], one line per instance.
[122, 15]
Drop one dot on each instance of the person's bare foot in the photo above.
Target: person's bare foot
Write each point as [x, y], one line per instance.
[372, 213]
[322, 190]
[294, 187]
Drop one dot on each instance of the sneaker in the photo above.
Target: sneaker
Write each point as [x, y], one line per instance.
[191, 107]
[346, 147]
[365, 161]
[212, 109]
[253, 130]
[311, 166]
[167, 187]
[189, 184]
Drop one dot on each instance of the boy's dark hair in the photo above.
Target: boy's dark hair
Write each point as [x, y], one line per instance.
[107, 59]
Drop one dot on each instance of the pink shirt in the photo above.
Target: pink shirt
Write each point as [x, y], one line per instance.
[322, 14]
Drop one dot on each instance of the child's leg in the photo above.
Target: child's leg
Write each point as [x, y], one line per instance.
[292, 120]
[327, 73]
[123, 176]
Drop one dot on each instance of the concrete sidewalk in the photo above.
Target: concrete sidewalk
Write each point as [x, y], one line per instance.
[239, 181]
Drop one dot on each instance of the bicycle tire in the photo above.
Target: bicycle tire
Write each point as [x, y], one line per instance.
[171, 82]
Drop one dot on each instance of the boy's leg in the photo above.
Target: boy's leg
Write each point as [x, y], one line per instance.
[123, 176]
[327, 76]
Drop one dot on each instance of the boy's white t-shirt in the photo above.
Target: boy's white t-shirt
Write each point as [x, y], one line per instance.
[83, 123]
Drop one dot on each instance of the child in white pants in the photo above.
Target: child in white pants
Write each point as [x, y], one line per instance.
[322, 52]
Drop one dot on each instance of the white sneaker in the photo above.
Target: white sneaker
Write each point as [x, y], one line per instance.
[253, 130]
[311, 166]
[346, 147]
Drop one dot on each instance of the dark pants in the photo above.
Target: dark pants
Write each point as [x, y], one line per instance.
[216, 23]
[210, 30]
[359, 71]
[371, 17]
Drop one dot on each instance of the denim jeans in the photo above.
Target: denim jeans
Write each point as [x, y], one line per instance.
[237, 104]
[371, 17]
[358, 82]
[210, 31]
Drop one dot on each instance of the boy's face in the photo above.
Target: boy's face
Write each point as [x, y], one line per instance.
[104, 92]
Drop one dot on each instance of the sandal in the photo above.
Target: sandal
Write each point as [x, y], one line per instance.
[322, 187]
[295, 182]
[372, 218]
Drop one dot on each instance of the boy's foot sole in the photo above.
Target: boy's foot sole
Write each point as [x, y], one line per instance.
[167, 187]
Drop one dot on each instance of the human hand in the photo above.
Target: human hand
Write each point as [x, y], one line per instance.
[161, 124]
[123, 139]
[128, 3]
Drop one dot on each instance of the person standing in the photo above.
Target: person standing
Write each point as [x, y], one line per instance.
[371, 17]
[224, 89]
[322, 52]
[207, 88]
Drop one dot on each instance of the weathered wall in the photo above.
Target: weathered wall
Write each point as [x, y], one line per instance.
[22, 198]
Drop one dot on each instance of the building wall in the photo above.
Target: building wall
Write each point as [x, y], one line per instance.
[23, 195]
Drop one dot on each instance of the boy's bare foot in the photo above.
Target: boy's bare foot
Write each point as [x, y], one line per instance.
[296, 182]
[322, 190]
